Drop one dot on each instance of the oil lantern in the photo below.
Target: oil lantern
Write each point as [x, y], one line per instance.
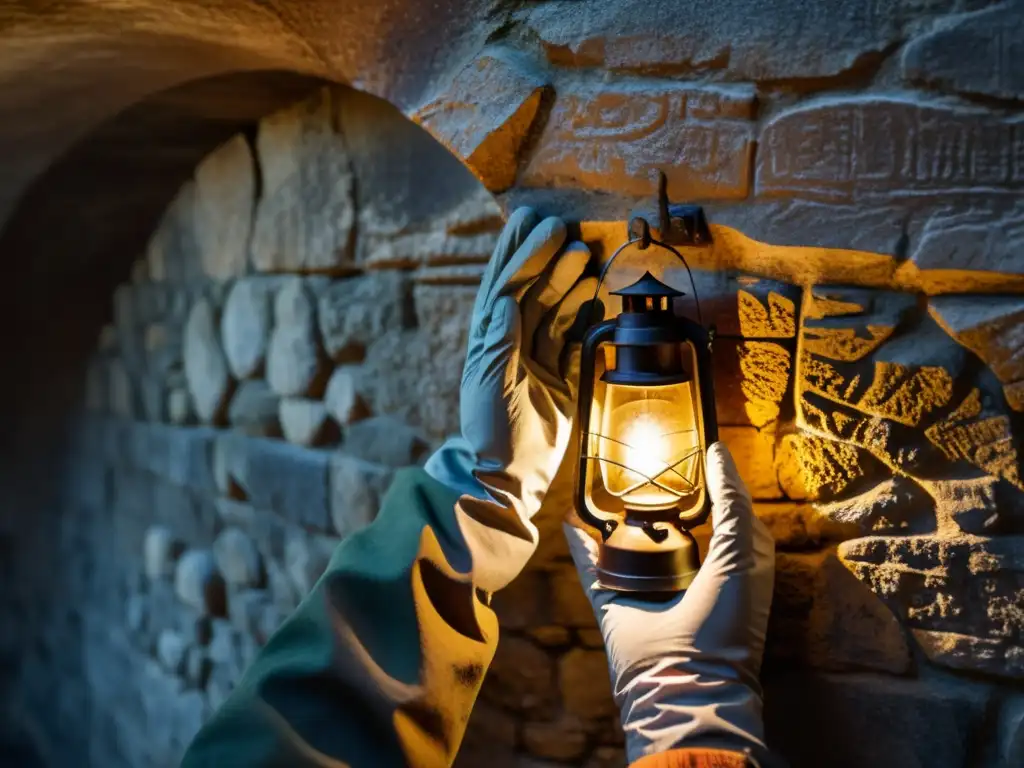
[644, 425]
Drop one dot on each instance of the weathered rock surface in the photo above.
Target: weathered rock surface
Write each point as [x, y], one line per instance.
[754, 453]
[237, 558]
[356, 489]
[342, 398]
[225, 192]
[816, 151]
[305, 213]
[306, 422]
[254, 409]
[489, 134]
[586, 685]
[160, 553]
[617, 137]
[246, 323]
[197, 582]
[206, 369]
[295, 362]
[306, 558]
[385, 440]
[354, 312]
[562, 739]
[993, 37]
[521, 677]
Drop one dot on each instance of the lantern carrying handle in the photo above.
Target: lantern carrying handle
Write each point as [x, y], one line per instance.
[643, 240]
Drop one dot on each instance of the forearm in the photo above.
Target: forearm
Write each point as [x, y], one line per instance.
[380, 664]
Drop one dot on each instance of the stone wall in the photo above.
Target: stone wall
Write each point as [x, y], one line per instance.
[295, 331]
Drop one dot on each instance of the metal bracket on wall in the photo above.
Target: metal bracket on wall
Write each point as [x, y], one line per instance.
[680, 224]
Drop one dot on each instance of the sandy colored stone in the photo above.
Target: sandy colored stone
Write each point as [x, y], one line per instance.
[524, 603]
[615, 137]
[487, 135]
[521, 677]
[586, 687]
[569, 604]
[225, 193]
[754, 453]
[973, 654]
[209, 380]
[562, 739]
[550, 636]
[305, 213]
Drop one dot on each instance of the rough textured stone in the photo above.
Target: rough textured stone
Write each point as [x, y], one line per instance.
[754, 452]
[237, 558]
[305, 213]
[306, 558]
[615, 138]
[584, 680]
[342, 398]
[170, 651]
[246, 323]
[355, 311]
[225, 192]
[254, 409]
[816, 151]
[562, 739]
[170, 254]
[569, 604]
[295, 362]
[197, 582]
[974, 54]
[524, 602]
[822, 616]
[983, 235]
[209, 380]
[179, 406]
[384, 440]
[973, 654]
[433, 248]
[306, 422]
[356, 489]
[929, 722]
[521, 677]
[287, 479]
[161, 552]
[487, 135]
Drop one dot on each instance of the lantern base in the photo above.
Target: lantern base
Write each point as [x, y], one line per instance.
[630, 561]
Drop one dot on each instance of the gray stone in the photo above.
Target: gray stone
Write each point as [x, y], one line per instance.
[487, 134]
[385, 440]
[996, 656]
[179, 455]
[245, 607]
[197, 582]
[170, 650]
[246, 323]
[122, 397]
[287, 479]
[305, 213]
[987, 235]
[975, 54]
[295, 363]
[424, 250]
[798, 155]
[931, 722]
[222, 649]
[254, 409]
[355, 311]
[196, 668]
[171, 252]
[342, 398]
[237, 558]
[616, 137]
[306, 422]
[225, 192]
[136, 614]
[179, 406]
[282, 591]
[357, 488]
[306, 558]
[209, 380]
[162, 549]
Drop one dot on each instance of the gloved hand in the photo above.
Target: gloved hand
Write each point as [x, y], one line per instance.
[515, 403]
[685, 670]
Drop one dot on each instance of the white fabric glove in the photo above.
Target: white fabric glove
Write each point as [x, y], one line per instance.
[515, 403]
[685, 670]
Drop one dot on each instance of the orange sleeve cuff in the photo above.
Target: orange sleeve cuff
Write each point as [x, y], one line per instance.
[693, 758]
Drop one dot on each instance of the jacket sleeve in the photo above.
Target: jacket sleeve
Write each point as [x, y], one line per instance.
[695, 758]
[380, 664]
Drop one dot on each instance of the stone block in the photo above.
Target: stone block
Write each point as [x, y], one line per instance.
[237, 558]
[996, 656]
[305, 214]
[306, 422]
[245, 607]
[486, 135]
[196, 668]
[385, 440]
[798, 526]
[606, 757]
[180, 455]
[551, 636]
[355, 311]
[754, 453]
[197, 582]
[521, 677]
[917, 723]
[987, 235]
[161, 551]
[342, 398]
[122, 395]
[295, 363]
[585, 682]
[171, 252]
[821, 150]
[254, 409]
[426, 249]
[287, 479]
[824, 617]
[170, 651]
[524, 602]
[206, 369]
[306, 557]
[991, 38]
[616, 137]
[751, 380]
[179, 406]
[246, 323]
[562, 739]
[897, 506]
[356, 489]
[738, 304]
[569, 604]
[225, 192]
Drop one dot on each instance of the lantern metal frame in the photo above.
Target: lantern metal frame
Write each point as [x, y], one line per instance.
[650, 561]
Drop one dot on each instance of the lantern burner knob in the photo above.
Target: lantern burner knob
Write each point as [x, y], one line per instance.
[647, 294]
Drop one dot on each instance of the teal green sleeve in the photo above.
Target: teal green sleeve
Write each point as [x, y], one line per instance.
[352, 677]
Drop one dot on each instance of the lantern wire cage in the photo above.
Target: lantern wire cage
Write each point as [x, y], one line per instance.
[639, 235]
